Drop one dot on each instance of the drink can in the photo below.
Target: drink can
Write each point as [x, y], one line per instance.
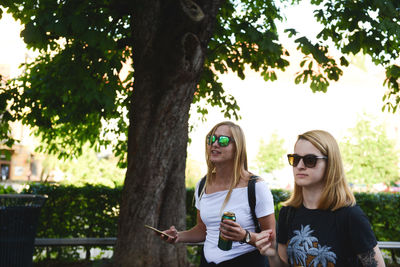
[225, 244]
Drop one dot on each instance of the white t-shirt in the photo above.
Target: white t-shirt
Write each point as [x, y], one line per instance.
[210, 212]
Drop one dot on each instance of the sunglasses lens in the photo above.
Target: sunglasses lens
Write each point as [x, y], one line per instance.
[310, 161]
[296, 160]
[290, 159]
[223, 140]
[211, 139]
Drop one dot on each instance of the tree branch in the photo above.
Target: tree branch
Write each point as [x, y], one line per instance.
[192, 10]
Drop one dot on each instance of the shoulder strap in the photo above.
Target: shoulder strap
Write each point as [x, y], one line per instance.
[290, 215]
[251, 193]
[201, 185]
[291, 212]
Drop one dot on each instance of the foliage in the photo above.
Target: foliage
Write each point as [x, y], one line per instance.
[381, 209]
[6, 189]
[88, 168]
[370, 27]
[369, 155]
[82, 45]
[89, 211]
[92, 211]
[270, 156]
[73, 86]
[192, 172]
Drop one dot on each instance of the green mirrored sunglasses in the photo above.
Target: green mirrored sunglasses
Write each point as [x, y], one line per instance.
[222, 140]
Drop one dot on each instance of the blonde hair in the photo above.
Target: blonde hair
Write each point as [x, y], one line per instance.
[240, 158]
[336, 193]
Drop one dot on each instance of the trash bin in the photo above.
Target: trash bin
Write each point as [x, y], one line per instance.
[19, 216]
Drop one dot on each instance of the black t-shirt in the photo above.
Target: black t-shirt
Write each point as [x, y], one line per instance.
[325, 238]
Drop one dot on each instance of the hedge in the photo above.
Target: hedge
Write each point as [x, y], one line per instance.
[92, 211]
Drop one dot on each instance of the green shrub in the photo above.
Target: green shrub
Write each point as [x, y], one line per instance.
[89, 211]
[382, 210]
[92, 211]
[7, 190]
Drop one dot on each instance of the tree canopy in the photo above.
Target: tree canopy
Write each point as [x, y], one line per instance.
[369, 155]
[271, 155]
[72, 93]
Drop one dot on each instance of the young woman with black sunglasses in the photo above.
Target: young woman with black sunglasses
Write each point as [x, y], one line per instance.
[226, 190]
[320, 224]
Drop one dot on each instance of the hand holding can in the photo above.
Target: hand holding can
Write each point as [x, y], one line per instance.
[225, 244]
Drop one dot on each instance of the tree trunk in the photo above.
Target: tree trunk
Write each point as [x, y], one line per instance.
[168, 55]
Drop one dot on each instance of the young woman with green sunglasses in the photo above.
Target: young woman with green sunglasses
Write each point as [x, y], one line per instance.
[226, 190]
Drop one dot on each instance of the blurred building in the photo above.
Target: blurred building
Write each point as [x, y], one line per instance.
[19, 162]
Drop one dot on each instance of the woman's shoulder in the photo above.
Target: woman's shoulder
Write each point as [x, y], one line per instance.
[355, 209]
[351, 213]
[255, 178]
[259, 181]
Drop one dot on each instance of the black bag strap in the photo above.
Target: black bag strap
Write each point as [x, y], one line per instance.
[291, 212]
[201, 185]
[251, 193]
[288, 215]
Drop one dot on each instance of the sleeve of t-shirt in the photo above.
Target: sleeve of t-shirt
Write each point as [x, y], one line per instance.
[264, 200]
[362, 236]
[282, 234]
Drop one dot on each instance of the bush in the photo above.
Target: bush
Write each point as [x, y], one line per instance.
[92, 211]
[89, 211]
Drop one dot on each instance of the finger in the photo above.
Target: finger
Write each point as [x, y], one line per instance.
[224, 228]
[264, 249]
[229, 222]
[230, 227]
[174, 239]
[261, 236]
[228, 231]
[260, 242]
[224, 232]
[171, 231]
[170, 240]
[227, 236]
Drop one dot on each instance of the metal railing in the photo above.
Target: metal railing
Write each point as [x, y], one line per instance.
[111, 241]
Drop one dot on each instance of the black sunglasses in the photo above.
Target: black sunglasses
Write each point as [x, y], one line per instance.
[223, 140]
[309, 160]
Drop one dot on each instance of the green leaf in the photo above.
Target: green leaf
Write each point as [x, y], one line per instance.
[291, 32]
[343, 61]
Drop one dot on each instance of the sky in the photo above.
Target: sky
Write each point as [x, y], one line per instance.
[12, 48]
[272, 107]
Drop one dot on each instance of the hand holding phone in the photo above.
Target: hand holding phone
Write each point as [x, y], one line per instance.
[158, 231]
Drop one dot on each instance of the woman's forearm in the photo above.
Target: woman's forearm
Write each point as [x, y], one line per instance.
[276, 261]
[195, 235]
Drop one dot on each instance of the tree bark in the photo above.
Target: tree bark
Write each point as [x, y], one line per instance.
[169, 41]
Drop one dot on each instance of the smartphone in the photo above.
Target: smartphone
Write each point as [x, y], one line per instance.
[157, 231]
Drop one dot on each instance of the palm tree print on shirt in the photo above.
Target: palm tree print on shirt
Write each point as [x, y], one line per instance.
[304, 250]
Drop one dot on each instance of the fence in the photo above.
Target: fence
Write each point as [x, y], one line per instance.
[111, 241]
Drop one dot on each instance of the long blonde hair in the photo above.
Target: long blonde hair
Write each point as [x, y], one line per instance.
[240, 159]
[336, 193]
